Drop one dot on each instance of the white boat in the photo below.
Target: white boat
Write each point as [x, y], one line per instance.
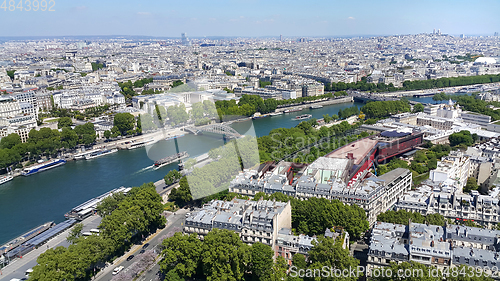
[43, 166]
[316, 106]
[5, 179]
[276, 113]
[81, 156]
[303, 117]
[293, 110]
[141, 144]
[100, 153]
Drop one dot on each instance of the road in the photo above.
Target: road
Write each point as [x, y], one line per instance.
[18, 267]
[175, 223]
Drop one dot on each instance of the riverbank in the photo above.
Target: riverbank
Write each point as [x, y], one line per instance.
[47, 196]
[322, 103]
[431, 92]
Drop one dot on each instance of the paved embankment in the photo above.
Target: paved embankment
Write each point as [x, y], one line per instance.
[323, 103]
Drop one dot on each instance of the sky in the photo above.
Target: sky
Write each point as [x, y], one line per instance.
[252, 18]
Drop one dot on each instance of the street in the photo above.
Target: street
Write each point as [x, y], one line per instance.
[175, 224]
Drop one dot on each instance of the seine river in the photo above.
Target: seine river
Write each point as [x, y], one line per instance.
[27, 202]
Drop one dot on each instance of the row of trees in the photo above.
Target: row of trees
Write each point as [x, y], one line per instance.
[470, 103]
[223, 256]
[403, 217]
[378, 109]
[45, 142]
[423, 160]
[315, 215]
[125, 218]
[201, 113]
[220, 256]
[63, 112]
[348, 112]
[450, 82]
[249, 104]
[444, 96]
[282, 142]
[413, 85]
[361, 86]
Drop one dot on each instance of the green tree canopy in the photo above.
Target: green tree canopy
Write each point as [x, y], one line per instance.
[124, 122]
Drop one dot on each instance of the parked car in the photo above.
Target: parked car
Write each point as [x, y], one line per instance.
[130, 257]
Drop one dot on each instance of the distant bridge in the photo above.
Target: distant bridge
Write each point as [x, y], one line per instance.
[216, 128]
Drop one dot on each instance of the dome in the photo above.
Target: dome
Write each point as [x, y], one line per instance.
[486, 60]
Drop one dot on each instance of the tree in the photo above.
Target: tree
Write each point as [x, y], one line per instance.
[173, 276]
[124, 122]
[10, 73]
[115, 132]
[177, 114]
[471, 185]
[189, 163]
[69, 138]
[418, 108]
[64, 122]
[224, 256]
[177, 83]
[181, 254]
[109, 204]
[197, 111]
[86, 133]
[462, 137]
[261, 258]
[327, 118]
[147, 122]
[328, 252]
[107, 134]
[172, 177]
[75, 233]
[181, 195]
[419, 273]
[403, 217]
[10, 141]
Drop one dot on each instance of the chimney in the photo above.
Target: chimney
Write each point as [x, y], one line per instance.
[432, 243]
[350, 156]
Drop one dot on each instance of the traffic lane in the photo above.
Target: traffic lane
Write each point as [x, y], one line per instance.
[176, 225]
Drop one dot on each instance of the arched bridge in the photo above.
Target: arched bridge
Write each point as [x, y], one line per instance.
[216, 128]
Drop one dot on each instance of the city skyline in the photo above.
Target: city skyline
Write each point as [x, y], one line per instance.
[254, 18]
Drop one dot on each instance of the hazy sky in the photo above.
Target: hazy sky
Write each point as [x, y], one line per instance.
[254, 18]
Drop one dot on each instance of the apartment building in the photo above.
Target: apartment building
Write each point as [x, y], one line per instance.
[254, 221]
[441, 246]
[476, 118]
[312, 90]
[328, 178]
[452, 169]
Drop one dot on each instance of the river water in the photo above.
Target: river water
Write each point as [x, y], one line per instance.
[27, 202]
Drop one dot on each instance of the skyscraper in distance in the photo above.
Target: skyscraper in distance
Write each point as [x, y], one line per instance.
[184, 40]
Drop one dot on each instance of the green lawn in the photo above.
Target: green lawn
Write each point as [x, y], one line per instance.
[420, 178]
[50, 120]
